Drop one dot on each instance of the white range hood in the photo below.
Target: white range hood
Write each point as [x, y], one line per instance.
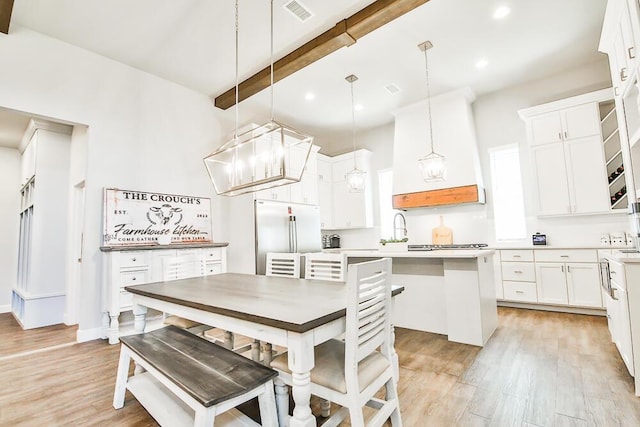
[454, 137]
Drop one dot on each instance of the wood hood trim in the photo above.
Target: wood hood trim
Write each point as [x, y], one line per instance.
[344, 33]
[6, 6]
[446, 196]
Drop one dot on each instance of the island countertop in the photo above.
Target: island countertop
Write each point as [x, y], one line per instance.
[439, 253]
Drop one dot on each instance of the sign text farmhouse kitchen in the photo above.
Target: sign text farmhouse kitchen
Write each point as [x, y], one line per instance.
[139, 218]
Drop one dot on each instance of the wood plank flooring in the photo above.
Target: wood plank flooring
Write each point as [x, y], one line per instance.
[539, 369]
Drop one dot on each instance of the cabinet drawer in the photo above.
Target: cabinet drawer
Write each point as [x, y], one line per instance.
[132, 259]
[126, 300]
[518, 271]
[520, 291]
[516, 255]
[211, 254]
[566, 255]
[134, 278]
[212, 268]
[616, 270]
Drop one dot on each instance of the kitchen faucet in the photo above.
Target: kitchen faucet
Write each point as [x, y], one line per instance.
[404, 225]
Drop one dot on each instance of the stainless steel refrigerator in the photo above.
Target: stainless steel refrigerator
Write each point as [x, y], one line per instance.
[285, 227]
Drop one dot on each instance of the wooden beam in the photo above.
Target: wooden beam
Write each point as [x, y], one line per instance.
[445, 196]
[6, 6]
[344, 33]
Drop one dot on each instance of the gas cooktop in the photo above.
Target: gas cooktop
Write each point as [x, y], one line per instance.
[454, 246]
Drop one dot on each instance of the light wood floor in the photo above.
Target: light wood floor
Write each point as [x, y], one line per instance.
[539, 369]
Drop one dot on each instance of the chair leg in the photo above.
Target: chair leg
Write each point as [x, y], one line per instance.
[356, 416]
[255, 350]
[267, 354]
[268, 411]
[228, 340]
[391, 393]
[282, 401]
[325, 407]
[121, 378]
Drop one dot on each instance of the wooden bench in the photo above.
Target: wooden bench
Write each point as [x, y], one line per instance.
[191, 381]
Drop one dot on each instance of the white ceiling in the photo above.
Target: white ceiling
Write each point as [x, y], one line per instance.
[191, 42]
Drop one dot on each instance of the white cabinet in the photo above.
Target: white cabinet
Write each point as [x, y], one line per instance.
[340, 208]
[619, 316]
[39, 296]
[567, 155]
[136, 267]
[565, 124]
[305, 191]
[568, 277]
[518, 275]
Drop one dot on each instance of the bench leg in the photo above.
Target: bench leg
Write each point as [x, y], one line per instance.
[282, 401]
[228, 340]
[267, 352]
[205, 417]
[267, 402]
[121, 378]
[325, 407]
[255, 350]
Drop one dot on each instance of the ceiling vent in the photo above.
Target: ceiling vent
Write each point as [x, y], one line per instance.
[392, 88]
[298, 10]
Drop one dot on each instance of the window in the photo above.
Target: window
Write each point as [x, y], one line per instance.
[385, 185]
[508, 204]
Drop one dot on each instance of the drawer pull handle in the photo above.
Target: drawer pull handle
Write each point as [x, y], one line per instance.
[564, 256]
[519, 292]
[134, 279]
[613, 272]
[516, 256]
[517, 271]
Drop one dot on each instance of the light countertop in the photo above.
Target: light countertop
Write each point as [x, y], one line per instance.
[621, 256]
[441, 253]
[504, 248]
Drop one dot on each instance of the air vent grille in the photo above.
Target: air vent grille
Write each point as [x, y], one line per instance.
[298, 10]
[392, 88]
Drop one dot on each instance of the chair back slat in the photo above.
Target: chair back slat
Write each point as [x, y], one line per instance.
[368, 308]
[283, 264]
[325, 266]
[182, 267]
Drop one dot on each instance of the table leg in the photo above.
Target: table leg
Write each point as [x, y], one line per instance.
[301, 361]
[139, 318]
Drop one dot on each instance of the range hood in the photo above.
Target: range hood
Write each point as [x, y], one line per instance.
[454, 137]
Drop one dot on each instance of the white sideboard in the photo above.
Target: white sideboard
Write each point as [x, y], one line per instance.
[136, 266]
[552, 278]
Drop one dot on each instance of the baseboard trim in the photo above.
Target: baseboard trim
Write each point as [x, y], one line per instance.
[84, 335]
[558, 309]
[5, 308]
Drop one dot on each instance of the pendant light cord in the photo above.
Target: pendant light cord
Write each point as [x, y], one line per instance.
[271, 60]
[235, 133]
[426, 66]
[353, 126]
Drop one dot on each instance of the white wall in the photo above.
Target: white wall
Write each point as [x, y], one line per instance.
[144, 133]
[9, 223]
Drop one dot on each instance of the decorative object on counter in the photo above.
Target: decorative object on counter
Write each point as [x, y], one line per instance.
[394, 245]
[385, 241]
[356, 178]
[334, 241]
[134, 218]
[442, 235]
[268, 156]
[539, 239]
[433, 165]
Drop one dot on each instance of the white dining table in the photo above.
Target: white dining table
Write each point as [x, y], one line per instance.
[294, 313]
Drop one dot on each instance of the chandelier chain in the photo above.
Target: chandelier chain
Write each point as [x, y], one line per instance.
[426, 67]
[235, 133]
[271, 60]
[353, 126]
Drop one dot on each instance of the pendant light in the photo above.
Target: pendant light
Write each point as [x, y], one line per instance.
[433, 165]
[356, 179]
[264, 157]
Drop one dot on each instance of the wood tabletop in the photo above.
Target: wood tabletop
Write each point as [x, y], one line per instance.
[296, 305]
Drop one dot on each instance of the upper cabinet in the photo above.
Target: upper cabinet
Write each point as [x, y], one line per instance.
[567, 150]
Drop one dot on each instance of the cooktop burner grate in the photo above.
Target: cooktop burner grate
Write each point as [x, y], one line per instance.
[454, 246]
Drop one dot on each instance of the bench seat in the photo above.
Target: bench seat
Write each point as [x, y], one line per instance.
[203, 376]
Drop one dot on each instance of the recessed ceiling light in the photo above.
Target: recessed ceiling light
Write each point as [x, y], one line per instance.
[501, 12]
[358, 107]
[310, 96]
[482, 63]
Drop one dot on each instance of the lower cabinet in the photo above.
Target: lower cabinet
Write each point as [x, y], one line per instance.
[552, 276]
[618, 315]
[136, 267]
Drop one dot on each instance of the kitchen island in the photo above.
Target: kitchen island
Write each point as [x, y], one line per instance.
[450, 292]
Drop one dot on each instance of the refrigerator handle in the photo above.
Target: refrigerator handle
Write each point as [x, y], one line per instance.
[290, 229]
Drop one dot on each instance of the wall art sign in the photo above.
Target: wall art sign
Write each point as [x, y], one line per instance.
[133, 218]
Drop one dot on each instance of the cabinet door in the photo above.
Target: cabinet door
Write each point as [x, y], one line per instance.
[623, 324]
[551, 179]
[551, 283]
[583, 285]
[325, 202]
[588, 188]
[546, 128]
[580, 121]
[350, 208]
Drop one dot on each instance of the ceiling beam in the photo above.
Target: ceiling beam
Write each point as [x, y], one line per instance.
[6, 6]
[344, 33]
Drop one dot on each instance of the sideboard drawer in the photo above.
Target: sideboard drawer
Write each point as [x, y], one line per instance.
[520, 291]
[516, 255]
[518, 271]
[212, 268]
[134, 278]
[133, 259]
[212, 254]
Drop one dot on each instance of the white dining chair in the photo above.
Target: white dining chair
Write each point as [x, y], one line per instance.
[325, 266]
[351, 372]
[283, 264]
